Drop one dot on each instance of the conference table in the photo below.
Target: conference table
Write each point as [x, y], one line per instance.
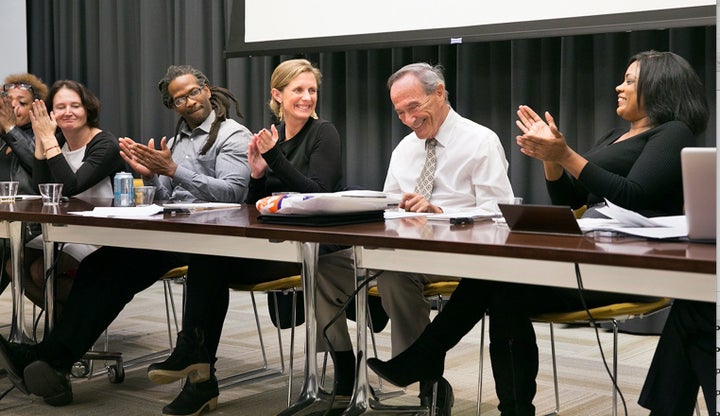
[485, 250]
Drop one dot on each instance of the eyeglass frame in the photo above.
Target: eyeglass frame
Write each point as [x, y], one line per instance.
[181, 101]
[20, 85]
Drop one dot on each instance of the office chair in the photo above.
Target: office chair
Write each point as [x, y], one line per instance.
[292, 285]
[611, 314]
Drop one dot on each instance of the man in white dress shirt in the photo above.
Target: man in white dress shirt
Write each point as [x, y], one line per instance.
[468, 170]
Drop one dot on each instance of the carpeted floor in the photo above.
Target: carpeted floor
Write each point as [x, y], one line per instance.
[584, 384]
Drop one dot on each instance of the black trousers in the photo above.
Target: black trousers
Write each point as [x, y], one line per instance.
[513, 349]
[106, 281]
[209, 281]
[684, 361]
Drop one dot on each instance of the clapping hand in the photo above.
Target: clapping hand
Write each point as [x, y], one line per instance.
[44, 127]
[540, 139]
[7, 114]
[261, 143]
[146, 160]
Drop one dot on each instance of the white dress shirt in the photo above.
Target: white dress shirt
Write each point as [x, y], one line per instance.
[471, 166]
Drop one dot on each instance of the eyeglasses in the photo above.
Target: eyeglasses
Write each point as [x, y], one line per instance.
[182, 100]
[20, 85]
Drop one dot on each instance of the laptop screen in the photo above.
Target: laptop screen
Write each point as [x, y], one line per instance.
[699, 175]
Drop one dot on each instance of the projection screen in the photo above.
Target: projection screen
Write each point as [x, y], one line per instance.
[284, 26]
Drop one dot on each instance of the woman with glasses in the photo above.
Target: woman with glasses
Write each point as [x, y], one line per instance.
[17, 142]
[70, 149]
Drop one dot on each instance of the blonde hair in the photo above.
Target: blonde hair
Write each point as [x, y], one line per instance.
[284, 74]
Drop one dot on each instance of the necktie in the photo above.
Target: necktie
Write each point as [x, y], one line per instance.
[424, 185]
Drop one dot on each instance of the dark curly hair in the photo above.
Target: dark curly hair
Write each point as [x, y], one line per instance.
[220, 99]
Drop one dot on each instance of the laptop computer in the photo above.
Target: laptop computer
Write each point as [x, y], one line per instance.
[543, 219]
[699, 176]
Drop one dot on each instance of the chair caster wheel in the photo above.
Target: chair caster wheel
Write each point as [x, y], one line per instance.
[80, 369]
[116, 373]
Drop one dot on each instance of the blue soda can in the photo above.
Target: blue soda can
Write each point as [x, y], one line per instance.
[123, 189]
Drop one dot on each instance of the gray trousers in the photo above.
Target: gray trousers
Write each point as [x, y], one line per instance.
[401, 294]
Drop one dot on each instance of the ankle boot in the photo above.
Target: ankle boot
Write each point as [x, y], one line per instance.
[194, 398]
[49, 382]
[515, 366]
[189, 359]
[422, 361]
[14, 357]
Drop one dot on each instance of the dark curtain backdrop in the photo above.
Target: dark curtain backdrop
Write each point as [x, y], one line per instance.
[121, 48]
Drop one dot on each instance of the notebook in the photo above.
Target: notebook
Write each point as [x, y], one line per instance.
[323, 220]
[699, 166]
[544, 219]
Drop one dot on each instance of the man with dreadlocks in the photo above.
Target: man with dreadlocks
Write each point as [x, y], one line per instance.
[206, 160]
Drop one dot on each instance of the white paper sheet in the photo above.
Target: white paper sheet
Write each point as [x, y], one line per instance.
[121, 212]
[629, 222]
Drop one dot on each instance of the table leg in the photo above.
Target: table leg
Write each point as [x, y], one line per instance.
[49, 258]
[362, 401]
[310, 394]
[18, 332]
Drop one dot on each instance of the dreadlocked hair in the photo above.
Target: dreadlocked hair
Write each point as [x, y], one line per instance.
[220, 99]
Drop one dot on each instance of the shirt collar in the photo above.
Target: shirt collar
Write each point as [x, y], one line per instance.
[445, 131]
[205, 126]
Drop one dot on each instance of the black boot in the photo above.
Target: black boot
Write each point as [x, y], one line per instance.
[14, 358]
[422, 361]
[515, 366]
[189, 359]
[344, 373]
[445, 396]
[194, 398]
[48, 382]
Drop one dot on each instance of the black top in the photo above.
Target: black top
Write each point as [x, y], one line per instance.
[642, 173]
[310, 162]
[102, 159]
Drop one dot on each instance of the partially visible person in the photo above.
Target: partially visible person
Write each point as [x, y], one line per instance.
[70, 149]
[17, 141]
[636, 167]
[301, 154]
[684, 361]
[470, 172]
[208, 162]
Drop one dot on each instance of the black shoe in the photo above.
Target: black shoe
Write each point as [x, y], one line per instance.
[445, 396]
[194, 399]
[14, 358]
[410, 366]
[49, 383]
[189, 359]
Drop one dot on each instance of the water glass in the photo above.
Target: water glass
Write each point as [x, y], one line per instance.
[8, 191]
[144, 195]
[51, 193]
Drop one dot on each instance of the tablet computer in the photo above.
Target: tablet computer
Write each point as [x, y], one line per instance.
[542, 219]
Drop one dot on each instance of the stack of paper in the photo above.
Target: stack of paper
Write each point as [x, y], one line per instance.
[629, 222]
